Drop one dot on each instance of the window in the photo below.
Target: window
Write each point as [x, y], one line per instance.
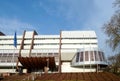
[50, 54]
[38, 54]
[0, 54]
[56, 54]
[91, 56]
[100, 55]
[86, 56]
[77, 57]
[103, 56]
[81, 56]
[96, 56]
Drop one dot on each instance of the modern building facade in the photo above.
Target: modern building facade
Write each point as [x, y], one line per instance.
[73, 51]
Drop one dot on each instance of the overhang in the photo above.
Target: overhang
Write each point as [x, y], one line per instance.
[37, 63]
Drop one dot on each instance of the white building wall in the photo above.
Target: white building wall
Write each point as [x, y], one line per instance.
[66, 67]
[71, 42]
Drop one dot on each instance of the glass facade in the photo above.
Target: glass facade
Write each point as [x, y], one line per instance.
[90, 56]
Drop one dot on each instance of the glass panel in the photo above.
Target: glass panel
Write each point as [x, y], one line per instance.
[5, 54]
[33, 54]
[10, 54]
[91, 56]
[0, 54]
[103, 56]
[38, 54]
[56, 54]
[77, 57]
[96, 56]
[86, 56]
[16, 54]
[50, 54]
[81, 56]
[100, 55]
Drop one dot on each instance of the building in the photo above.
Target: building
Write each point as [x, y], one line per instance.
[71, 51]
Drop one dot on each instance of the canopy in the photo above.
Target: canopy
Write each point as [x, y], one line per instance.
[37, 63]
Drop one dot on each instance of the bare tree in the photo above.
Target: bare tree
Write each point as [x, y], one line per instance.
[117, 3]
[112, 29]
[114, 63]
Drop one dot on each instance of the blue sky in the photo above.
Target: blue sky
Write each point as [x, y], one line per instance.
[51, 16]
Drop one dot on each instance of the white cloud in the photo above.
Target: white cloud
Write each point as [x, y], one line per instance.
[8, 26]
